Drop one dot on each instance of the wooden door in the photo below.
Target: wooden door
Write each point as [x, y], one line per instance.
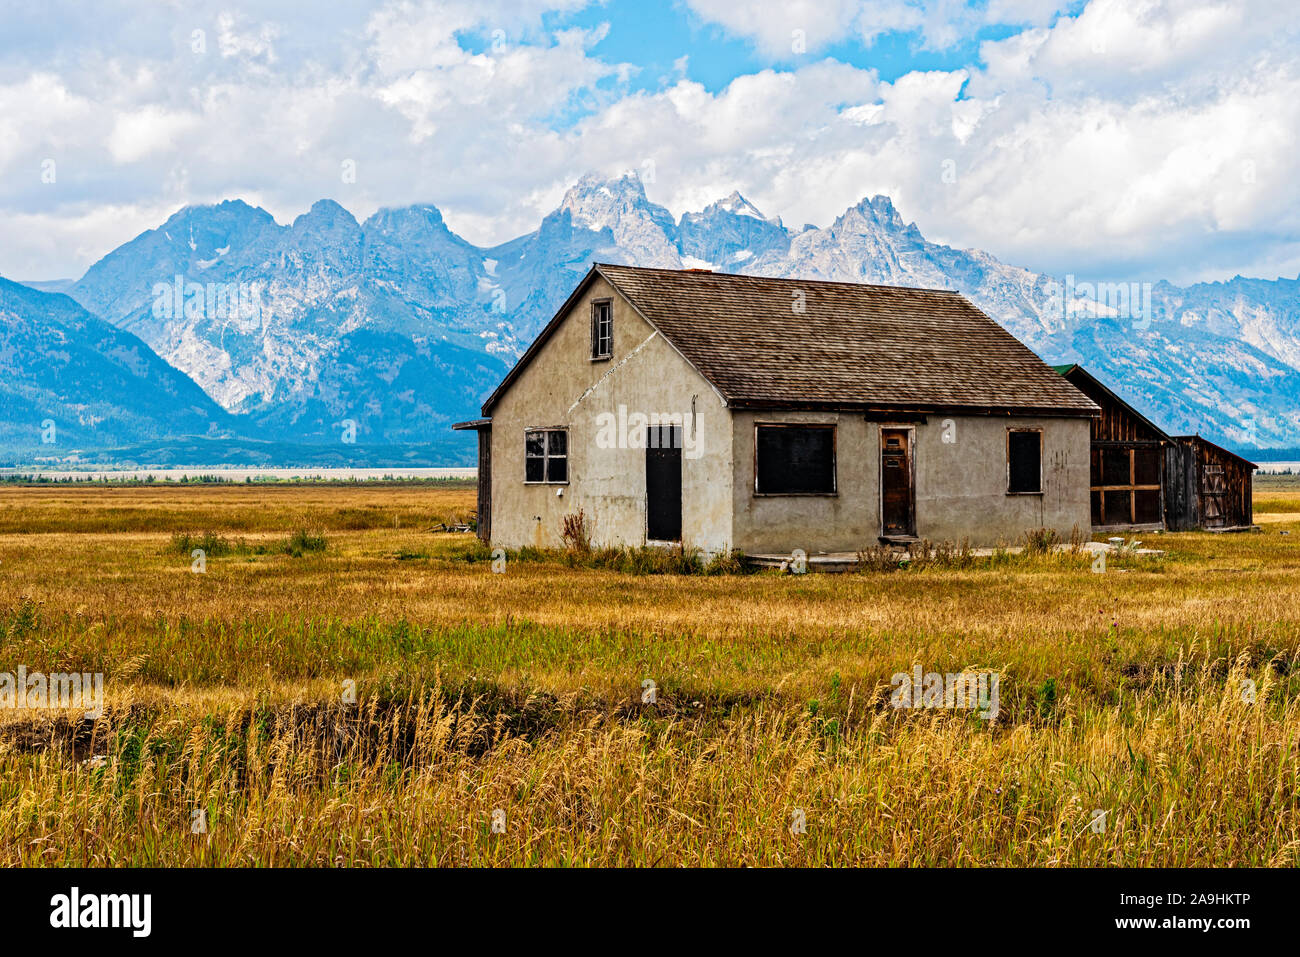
[1214, 494]
[897, 492]
[663, 484]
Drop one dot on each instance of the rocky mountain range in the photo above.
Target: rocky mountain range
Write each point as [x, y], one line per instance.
[69, 379]
[395, 327]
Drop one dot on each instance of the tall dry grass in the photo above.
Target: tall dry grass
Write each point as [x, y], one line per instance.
[522, 692]
[1186, 772]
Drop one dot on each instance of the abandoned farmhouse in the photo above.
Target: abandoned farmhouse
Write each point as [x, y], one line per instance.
[725, 411]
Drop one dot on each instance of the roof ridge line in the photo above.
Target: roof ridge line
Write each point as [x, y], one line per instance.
[819, 282]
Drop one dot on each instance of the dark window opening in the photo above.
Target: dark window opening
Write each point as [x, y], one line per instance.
[546, 456]
[1118, 508]
[602, 329]
[795, 460]
[1116, 467]
[663, 484]
[1024, 461]
[1146, 466]
[1146, 506]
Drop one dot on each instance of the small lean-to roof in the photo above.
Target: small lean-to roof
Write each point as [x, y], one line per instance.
[1196, 439]
[794, 343]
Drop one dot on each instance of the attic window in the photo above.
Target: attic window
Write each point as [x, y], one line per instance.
[1024, 461]
[546, 456]
[794, 460]
[602, 329]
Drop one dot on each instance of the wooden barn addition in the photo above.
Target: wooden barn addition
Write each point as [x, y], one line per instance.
[1143, 478]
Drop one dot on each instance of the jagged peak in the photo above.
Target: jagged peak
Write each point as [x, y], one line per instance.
[881, 205]
[628, 180]
[236, 207]
[325, 211]
[420, 213]
[626, 190]
[734, 204]
[596, 202]
[879, 210]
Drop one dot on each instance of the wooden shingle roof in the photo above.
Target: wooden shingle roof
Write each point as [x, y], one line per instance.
[793, 343]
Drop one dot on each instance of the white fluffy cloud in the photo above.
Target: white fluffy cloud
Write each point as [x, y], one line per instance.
[786, 28]
[150, 129]
[1149, 139]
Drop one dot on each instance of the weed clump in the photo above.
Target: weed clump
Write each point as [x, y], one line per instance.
[1041, 541]
[305, 540]
[212, 544]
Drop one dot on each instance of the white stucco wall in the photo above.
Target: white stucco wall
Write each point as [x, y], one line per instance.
[961, 485]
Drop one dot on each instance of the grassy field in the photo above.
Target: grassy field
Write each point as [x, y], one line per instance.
[344, 685]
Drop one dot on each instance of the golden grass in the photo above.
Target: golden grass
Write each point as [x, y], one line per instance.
[522, 691]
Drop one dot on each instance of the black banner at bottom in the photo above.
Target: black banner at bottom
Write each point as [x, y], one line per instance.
[299, 907]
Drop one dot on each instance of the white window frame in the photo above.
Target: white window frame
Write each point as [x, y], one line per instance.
[602, 330]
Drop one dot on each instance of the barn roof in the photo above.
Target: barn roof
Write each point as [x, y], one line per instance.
[1075, 372]
[1218, 449]
[783, 343]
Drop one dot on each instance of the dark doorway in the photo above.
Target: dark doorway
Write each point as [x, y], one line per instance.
[897, 502]
[663, 483]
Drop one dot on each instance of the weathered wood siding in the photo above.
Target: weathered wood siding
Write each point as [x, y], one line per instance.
[1181, 503]
[1213, 487]
[1126, 483]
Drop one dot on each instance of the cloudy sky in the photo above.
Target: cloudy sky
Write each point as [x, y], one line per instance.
[1112, 138]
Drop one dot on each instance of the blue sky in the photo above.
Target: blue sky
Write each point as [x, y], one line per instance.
[1105, 139]
[656, 36]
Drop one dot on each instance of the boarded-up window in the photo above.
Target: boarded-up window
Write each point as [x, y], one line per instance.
[546, 455]
[1024, 461]
[602, 329]
[795, 459]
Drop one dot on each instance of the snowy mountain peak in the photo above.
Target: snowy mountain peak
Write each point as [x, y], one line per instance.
[739, 206]
[730, 234]
[228, 210]
[196, 232]
[620, 205]
[879, 210]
